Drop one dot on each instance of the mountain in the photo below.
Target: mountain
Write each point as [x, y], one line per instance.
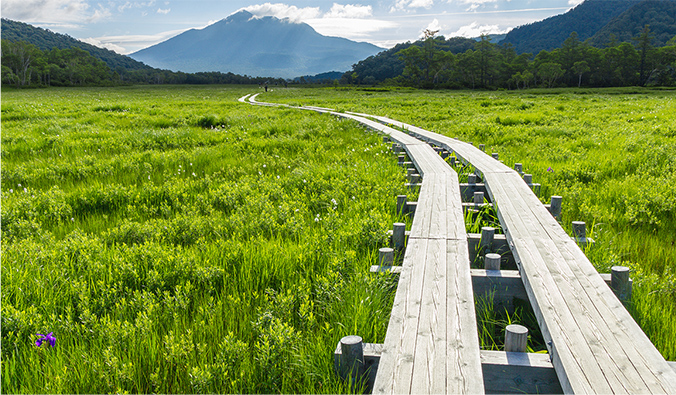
[45, 40]
[243, 44]
[586, 19]
[659, 15]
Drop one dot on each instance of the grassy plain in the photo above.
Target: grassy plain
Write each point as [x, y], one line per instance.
[175, 240]
[612, 156]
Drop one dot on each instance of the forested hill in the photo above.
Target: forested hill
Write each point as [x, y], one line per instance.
[659, 15]
[388, 64]
[586, 19]
[45, 40]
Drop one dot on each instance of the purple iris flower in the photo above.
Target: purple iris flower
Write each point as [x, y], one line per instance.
[549, 169]
[48, 337]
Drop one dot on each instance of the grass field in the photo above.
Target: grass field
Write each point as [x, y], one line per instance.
[177, 241]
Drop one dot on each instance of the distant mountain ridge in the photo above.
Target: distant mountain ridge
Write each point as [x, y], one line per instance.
[246, 45]
[45, 40]
[596, 20]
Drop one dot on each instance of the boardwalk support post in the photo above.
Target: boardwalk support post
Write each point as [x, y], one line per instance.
[471, 178]
[495, 156]
[478, 197]
[519, 168]
[401, 204]
[555, 206]
[492, 262]
[487, 236]
[350, 364]
[580, 231]
[619, 282]
[482, 147]
[399, 236]
[385, 256]
[516, 338]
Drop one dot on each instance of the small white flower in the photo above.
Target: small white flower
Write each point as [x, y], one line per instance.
[260, 173]
[278, 177]
[11, 191]
[72, 219]
[25, 190]
[149, 177]
[304, 180]
[19, 185]
[194, 175]
[265, 165]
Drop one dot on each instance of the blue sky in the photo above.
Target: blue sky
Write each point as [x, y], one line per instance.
[126, 26]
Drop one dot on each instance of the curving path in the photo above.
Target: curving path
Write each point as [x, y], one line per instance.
[431, 344]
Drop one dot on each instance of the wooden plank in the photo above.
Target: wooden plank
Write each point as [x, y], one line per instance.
[430, 351]
[396, 364]
[463, 373]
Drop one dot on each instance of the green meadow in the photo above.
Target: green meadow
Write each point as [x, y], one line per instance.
[175, 240]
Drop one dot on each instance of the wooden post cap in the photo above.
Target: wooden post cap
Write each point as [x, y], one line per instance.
[579, 230]
[528, 178]
[495, 156]
[555, 206]
[487, 236]
[516, 338]
[385, 256]
[492, 262]
[399, 235]
[478, 197]
[351, 360]
[482, 147]
[471, 178]
[518, 167]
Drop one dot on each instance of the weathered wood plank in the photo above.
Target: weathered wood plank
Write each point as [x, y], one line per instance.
[463, 373]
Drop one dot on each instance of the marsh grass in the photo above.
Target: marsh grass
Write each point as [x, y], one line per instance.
[177, 241]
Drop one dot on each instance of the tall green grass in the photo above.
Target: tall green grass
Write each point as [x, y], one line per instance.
[177, 241]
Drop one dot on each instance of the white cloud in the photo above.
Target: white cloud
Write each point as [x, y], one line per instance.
[434, 25]
[401, 5]
[47, 11]
[283, 11]
[421, 4]
[351, 28]
[132, 43]
[164, 12]
[474, 29]
[98, 43]
[349, 11]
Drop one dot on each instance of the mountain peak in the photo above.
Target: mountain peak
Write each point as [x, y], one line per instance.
[248, 45]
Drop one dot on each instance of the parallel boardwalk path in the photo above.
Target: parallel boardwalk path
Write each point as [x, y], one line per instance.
[431, 344]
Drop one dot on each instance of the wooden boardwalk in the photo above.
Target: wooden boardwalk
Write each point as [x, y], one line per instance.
[431, 344]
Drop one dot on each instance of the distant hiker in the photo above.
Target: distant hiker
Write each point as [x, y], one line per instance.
[266, 87]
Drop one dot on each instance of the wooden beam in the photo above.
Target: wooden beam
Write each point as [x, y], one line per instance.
[503, 286]
[518, 373]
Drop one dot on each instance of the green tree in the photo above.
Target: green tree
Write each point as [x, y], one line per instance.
[645, 47]
[550, 72]
[580, 68]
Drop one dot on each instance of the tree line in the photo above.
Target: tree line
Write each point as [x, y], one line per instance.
[428, 64]
[25, 65]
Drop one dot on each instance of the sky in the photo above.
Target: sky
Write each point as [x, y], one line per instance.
[126, 26]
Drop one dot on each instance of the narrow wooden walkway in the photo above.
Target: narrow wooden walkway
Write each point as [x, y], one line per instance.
[431, 344]
[594, 343]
